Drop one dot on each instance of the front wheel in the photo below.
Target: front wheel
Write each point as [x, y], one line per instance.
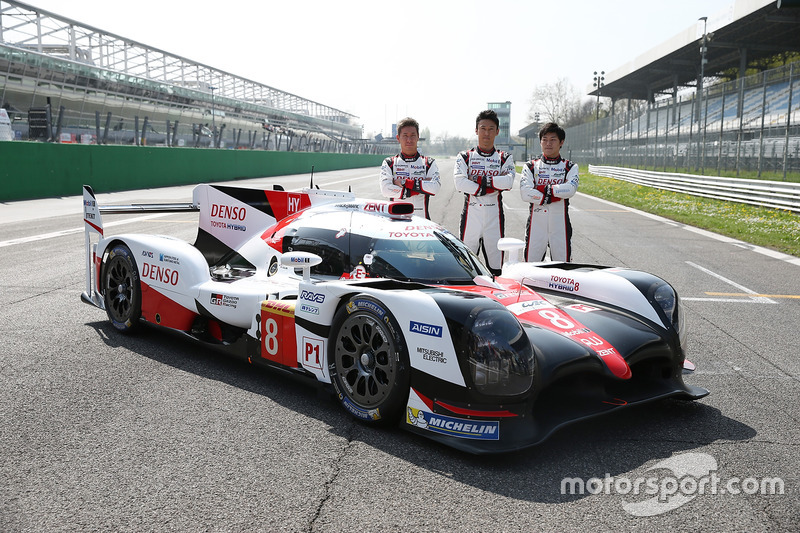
[122, 291]
[368, 361]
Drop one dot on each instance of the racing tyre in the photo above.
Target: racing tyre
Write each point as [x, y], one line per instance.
[122, 292]
[368, 361]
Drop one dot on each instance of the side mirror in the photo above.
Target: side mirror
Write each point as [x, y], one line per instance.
[304, 260]
[512, 246]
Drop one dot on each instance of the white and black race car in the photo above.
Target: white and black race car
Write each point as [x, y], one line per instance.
[396, 313]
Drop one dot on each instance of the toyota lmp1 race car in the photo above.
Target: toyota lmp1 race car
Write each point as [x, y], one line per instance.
[395, 313]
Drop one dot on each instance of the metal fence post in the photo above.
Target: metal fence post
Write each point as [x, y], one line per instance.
[761, 132]
[740, 106]
[721, 128]
[678, 134]
[788, 120]
[705, 127]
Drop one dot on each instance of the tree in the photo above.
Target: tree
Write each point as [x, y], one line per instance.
[425, 133]
[560, 102]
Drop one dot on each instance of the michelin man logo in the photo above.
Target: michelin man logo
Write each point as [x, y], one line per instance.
[416, 417]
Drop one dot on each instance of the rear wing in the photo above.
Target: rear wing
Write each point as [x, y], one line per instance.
[229, 216]
[94, 231]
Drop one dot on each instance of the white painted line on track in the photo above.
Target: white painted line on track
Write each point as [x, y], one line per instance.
[71, 231]
[43, 236]
[51, 235]
[754, 296]
[726, 300]
[710, 234]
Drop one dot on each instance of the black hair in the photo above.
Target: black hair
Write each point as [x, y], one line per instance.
[488, 115]
[552, 127]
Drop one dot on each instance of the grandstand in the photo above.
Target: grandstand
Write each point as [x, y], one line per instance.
[64, 81]
[722, 119]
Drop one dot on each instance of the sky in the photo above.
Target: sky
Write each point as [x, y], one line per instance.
[439, 61]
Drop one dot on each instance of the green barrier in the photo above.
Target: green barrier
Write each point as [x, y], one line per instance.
[43, 170]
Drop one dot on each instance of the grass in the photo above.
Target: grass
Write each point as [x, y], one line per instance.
[770, 228]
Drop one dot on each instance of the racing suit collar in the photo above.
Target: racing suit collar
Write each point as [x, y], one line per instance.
[552, 161]
[485, 154]
[407, 158]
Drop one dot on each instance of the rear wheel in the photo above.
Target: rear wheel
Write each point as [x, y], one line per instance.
[368, 362]
[122, 291]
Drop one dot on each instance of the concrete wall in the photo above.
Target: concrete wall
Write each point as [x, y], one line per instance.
[42, 170]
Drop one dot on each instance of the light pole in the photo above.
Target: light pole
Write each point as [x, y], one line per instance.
[702, 68]
[213, 121]
[598, 82]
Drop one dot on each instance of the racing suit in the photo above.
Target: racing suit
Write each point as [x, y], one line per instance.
[548, 184]
[421, 176]
[482, 177]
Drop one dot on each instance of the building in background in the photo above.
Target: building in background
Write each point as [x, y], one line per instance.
[62, 80]
[503, 110]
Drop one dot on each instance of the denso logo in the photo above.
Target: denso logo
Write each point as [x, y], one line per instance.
[228, 211]
[312, 296]
[425, 329]
[157, 273]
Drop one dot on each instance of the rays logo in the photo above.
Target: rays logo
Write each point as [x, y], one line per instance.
[312, 296]
[425, 329]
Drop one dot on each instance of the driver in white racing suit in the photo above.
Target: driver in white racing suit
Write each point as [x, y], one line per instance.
[548, 182]
[408, 175]
[482, 174]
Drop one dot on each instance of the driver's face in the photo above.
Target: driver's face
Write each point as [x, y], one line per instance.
[408, 139]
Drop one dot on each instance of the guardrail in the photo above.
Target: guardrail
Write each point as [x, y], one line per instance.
[775, 194]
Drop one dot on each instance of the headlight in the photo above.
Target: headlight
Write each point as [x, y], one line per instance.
[666, 297]
[500, 354]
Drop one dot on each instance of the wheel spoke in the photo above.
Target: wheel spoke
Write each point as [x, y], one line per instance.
[364, 360]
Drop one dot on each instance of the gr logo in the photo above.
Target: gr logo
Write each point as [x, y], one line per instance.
[425, 329]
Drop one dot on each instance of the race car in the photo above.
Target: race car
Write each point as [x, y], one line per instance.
[395, 313]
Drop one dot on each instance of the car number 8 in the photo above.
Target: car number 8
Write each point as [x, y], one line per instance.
[271, 336]
[556, 319]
